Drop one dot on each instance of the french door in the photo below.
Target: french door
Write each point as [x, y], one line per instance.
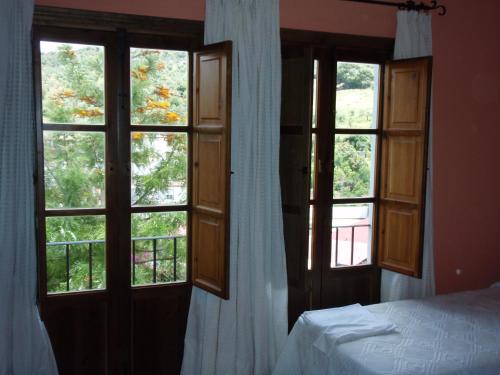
[113, 114]
[330, 142]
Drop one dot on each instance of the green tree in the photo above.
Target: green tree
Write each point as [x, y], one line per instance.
[354, 76]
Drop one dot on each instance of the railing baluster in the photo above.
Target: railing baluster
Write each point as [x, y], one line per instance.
[90, 265]
[175, 258]
[67, 267]
[133, 262]
[352, 245]
[154, 261]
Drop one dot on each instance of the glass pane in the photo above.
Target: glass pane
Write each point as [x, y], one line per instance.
[351, 234]
[357, 96]
[315, 95]
[354, 171]
[313, 163]
[72, 83]
[76, 253]
[159, 168]
[310, 242]
[159, 87]
[74, 169]
[159, 247]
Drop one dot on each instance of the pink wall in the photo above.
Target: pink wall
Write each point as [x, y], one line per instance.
[466, 147]
[319, 15]
[466, 106]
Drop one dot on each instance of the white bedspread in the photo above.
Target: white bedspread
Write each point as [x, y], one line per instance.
[450, 334]
[344, 324]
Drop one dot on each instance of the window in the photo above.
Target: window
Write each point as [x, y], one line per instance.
[360, 121]
[104, 180]
[79, 138]
[352, 144]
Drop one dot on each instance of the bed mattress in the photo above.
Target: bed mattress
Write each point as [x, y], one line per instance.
[450, 334]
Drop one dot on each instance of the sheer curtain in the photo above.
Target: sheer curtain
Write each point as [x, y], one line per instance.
[24, 345]
[414, 39]
[245, 334]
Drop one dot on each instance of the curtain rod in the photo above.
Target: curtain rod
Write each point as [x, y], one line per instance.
[408, 5]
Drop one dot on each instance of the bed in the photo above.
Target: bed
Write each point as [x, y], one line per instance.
[450, 334]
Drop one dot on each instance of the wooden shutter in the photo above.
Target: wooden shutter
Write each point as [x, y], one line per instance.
[211, 168]
[404, 165]
[296, 102]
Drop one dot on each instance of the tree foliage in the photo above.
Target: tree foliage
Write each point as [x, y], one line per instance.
[354, 76]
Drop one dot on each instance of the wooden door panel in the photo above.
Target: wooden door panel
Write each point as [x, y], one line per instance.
[208, 177]
[79, 335]
[296, 99]
[211, 168]
[159, 325]
[210, 81]
[348, 286]
[399, 241]
[406, 98]
[208, 263]
[293, 171]
[402, 157]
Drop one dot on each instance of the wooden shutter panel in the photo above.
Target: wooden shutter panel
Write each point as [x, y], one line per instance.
[211, 166]
[296, 102]
[404, 165]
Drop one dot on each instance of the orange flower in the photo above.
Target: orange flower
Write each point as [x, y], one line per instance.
[172, 117]
[67, 93]
[93, 112]
[160, 66]
[137, 136]
[88, 99]
[162, 91]
[152, 104]
[141, 73]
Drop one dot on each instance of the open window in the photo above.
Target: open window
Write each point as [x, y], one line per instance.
[352, 162]
[211, 168]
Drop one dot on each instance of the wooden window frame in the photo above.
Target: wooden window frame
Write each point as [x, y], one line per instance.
[106, 29]
[325, 141]
[307, 288]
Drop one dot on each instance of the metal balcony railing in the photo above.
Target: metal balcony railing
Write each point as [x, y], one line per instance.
[154, 249]
[336, 229]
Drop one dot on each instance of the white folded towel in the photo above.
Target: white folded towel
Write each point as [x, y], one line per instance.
[343, 324]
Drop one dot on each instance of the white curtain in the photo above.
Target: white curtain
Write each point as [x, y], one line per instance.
[24, 345]
[414, 39]
[245, 334]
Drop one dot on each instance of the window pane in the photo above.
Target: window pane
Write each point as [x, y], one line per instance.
[72, 83]
[74, 169]
[315, 96]
[351, 234]
[310, 241]
[159, 168]
[354, 171]
[159, 247]
[76, 253]
[357, 95]
[159, 87]
[313, 163]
